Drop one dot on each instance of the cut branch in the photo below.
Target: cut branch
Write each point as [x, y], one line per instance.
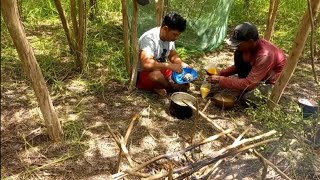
[130, 127]
[120, 144]
[172, 154]
[257, 154]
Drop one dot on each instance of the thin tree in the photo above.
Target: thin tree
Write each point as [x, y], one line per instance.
[9, 10]
[126, 39]
[77, 41]
[273, 9]
[65, 24]
[313, 46]
[159, 11]
[135, 45]
[297, 48]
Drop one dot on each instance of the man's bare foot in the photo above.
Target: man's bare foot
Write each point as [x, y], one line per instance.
[161, 92]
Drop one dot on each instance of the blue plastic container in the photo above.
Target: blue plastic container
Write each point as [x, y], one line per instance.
[178, 78]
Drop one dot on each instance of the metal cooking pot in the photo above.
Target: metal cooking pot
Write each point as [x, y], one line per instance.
[178, 108]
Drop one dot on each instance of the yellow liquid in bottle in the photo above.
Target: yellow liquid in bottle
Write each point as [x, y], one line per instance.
[212, 70]
[204, 91]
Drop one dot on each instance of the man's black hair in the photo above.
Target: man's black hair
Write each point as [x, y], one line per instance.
[175, 22]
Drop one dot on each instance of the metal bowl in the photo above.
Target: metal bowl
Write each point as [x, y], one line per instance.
[178, 108]
[224, 100]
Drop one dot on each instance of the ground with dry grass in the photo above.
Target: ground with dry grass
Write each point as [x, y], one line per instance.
[89, 151]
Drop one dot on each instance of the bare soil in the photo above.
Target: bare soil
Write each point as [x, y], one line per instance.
[89, 151]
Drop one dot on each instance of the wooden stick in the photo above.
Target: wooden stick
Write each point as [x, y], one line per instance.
[126, 137]
[241, 135]
[206, 106]
[171, 154]
[256, 153]
[121, 145]
[212, 170]
[195, 124]
[283, 175]
[198, 165]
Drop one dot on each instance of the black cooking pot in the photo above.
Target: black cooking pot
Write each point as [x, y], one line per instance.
[178, 108]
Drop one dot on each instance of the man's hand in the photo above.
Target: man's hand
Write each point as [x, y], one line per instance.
[213, 79]
[176, 67]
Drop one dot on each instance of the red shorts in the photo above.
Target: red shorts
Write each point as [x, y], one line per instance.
[145, 83]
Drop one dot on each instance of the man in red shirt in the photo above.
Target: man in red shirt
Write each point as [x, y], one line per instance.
[256, 60]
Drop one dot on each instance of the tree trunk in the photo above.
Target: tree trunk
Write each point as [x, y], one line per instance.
[93, 9]
[135, 45]
[10, 14]
[297, 48]
[125, 24]
[273, 9]
[166, 7]
[313, 46]
[64, 24]
[73, 9]
[159, 11]
[81, 34]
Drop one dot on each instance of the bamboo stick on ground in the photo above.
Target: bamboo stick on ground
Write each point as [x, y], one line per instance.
[206, 106]
[217, 127]
[120, 144]
[126, 137]
[198, 165]
[171, 154]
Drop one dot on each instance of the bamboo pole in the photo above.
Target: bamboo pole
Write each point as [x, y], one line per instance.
[65, 24]
[273, 9]
[126, 40]
[126, 137]
[81, 33]
[9, 10]
[159, 11]
[297, 48]
[256, 153]
[170, 155]
[312, 44]
[135, 45]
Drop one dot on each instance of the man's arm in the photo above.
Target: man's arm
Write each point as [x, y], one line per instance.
[228, 71]
[257, 73]
[175, 59]
[150, 64]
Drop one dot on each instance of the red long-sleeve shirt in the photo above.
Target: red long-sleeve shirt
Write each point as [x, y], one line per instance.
[267, 62]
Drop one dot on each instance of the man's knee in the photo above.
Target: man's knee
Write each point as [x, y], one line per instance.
[156, 76]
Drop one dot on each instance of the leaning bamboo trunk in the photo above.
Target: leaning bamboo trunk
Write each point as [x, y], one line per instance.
[135, 45]
[73, 9]
[159, 10]
[81, 34]
[64, 24]
[125, 24]
[273, 9]
[297, 48]
[10, 14]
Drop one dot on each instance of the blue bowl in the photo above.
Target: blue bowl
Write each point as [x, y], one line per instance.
[178, 78]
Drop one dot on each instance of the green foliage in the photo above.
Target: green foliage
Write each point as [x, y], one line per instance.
[289, 15]
[73, 131]
[280, 118]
